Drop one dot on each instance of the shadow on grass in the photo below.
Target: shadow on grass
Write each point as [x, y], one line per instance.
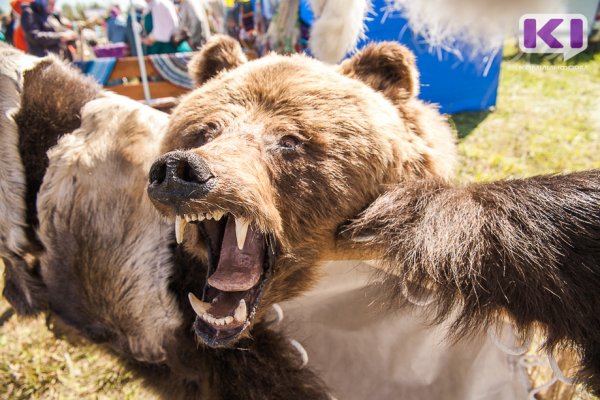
[466, 122]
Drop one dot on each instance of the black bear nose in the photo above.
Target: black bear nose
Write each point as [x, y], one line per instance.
[179, 176]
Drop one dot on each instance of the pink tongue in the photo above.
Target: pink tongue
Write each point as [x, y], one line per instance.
[239, 270]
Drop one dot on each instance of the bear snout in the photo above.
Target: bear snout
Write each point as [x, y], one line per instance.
[179, 176]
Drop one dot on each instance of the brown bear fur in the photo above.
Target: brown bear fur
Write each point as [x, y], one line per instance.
[301, 149]
[353, 142]
[528, 248]
[221, 54]
[51, 118]
[45, 116]
[108, 268]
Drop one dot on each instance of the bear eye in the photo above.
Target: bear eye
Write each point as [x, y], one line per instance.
[200, 138]
[205, 134]
[289, 143]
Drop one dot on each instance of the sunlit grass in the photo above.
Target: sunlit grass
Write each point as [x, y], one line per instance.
[545, 121]
[36, 365]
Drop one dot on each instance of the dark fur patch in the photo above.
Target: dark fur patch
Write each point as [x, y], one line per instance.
[23, 286]
[266, 366]
[529, 248]
[53, 95]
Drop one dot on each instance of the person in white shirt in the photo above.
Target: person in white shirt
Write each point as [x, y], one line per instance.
[161, 26]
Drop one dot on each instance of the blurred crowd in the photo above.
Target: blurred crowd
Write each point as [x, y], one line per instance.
[158, 26]
[33, 26]
[164, 26]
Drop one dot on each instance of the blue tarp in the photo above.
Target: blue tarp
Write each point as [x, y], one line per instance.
[99, 68]
[454, 81]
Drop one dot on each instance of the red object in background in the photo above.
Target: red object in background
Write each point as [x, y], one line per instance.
[19, 40]
[16, 5]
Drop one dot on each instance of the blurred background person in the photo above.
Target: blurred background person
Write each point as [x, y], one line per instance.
[194, 22]
[43, 30]
[18, 35]
[116, 26]
[160, 24]
[6, 28]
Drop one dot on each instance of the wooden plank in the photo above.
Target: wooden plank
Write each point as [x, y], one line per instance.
[157, 90]
[128, 67]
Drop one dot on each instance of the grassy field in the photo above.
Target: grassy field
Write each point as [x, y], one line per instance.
[546, 120]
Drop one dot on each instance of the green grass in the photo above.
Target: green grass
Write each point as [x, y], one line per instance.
[36, 365]
[545, 121]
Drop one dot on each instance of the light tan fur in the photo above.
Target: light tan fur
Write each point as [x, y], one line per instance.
[13, 241]
[102, 166]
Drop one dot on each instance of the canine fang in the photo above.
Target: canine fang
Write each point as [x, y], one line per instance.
[200, 307]
[240, 312]
[180, 224]
[241, 229]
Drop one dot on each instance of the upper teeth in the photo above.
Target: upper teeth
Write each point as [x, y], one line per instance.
[241, 225]
[201, 309]
[182, 221]
[216, 215]
[241, 229]
[180, 224]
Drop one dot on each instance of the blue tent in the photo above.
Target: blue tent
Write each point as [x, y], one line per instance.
[456, 83]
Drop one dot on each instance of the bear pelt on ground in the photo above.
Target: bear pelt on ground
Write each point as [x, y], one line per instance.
[266, 169]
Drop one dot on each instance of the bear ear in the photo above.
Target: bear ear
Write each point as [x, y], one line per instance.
[387, 67]
[220, 53]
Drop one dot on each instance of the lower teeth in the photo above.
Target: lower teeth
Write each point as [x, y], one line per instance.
[240, 314]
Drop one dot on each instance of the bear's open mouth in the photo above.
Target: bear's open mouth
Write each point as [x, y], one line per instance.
[240, 262]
